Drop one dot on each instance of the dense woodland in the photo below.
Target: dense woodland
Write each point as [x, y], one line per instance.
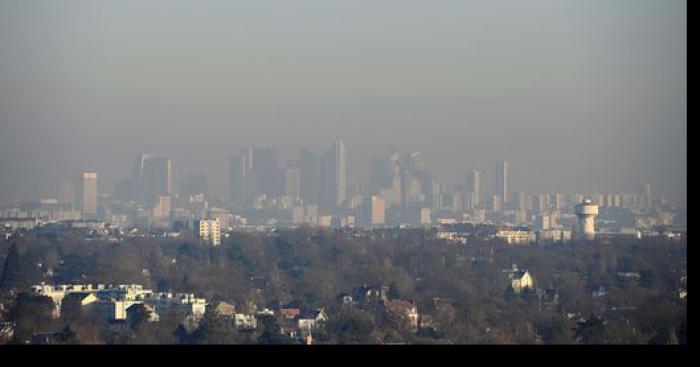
[310, 268]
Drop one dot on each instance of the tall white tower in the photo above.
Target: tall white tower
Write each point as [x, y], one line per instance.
[586, 213]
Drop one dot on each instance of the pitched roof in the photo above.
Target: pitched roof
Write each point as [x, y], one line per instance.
[311, 314]
[519, 274]
[399, 305]
[290, 311]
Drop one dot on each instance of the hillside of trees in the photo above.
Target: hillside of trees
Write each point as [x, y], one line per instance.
[310, 268]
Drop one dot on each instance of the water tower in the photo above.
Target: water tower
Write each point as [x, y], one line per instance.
[586, 213]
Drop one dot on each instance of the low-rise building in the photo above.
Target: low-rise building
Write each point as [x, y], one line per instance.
[311, 320]
[225, 310]
[163, 302]
[520, 279]
[289, 313]
[553, 235]
[245, 322]
[516, 236]
[112, 301]
[19, 223]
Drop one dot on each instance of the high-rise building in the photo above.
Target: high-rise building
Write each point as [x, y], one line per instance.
[647, 196]
[396, 185]
[308, 177]
[381, 175]
[163, 207]
[152, 178]
[520, 216]
[520, 200]
[425, 216]
[264, 166]
[88, 195]
[436, 195]
[616, 200]
[396, 190]
[500, 180]
[457, 201]
[559, 201]
[333, 177]
[495, 203]
[375, 211]
[543, 222]
[238, 178]
[387, 194]
[412, 189]
[66, 193]
[252, 172]
[473, 193]
[417, 183]
[292, 180]
[542, 203]
[209, 230]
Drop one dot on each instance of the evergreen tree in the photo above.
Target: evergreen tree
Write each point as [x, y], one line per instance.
[12, 275]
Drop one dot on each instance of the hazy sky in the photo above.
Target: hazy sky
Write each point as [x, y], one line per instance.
[577, 95]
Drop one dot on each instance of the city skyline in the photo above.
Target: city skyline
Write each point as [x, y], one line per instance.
[146, 183]
[577, 96]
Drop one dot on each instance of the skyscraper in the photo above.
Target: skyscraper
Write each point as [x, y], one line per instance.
[416, 182]
[333, 177]
[238, 178]
[500, 181]
[88, 195]
[374, 211]
[647, 196]
[292, 180]
[308, 177]
[396, 185]
[520, 200]
[473, 194]
[66, 193]
[381, 175]
[153, 178]
[264, 166]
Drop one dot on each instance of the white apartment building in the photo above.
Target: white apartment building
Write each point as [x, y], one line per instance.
[516, 237]
[112, 301]
[209, 230]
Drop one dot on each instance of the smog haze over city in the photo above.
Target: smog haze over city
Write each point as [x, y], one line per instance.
[343, 172]
[579, 96]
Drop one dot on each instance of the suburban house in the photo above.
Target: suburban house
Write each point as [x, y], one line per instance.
[245, 322]
[225, 310]
[426, 322]
[403, 309]
[521, 279]
[310, 320]
[289, 313]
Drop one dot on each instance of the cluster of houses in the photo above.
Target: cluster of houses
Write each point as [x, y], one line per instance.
[116, 304]
[294, 322]
[402, 310]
